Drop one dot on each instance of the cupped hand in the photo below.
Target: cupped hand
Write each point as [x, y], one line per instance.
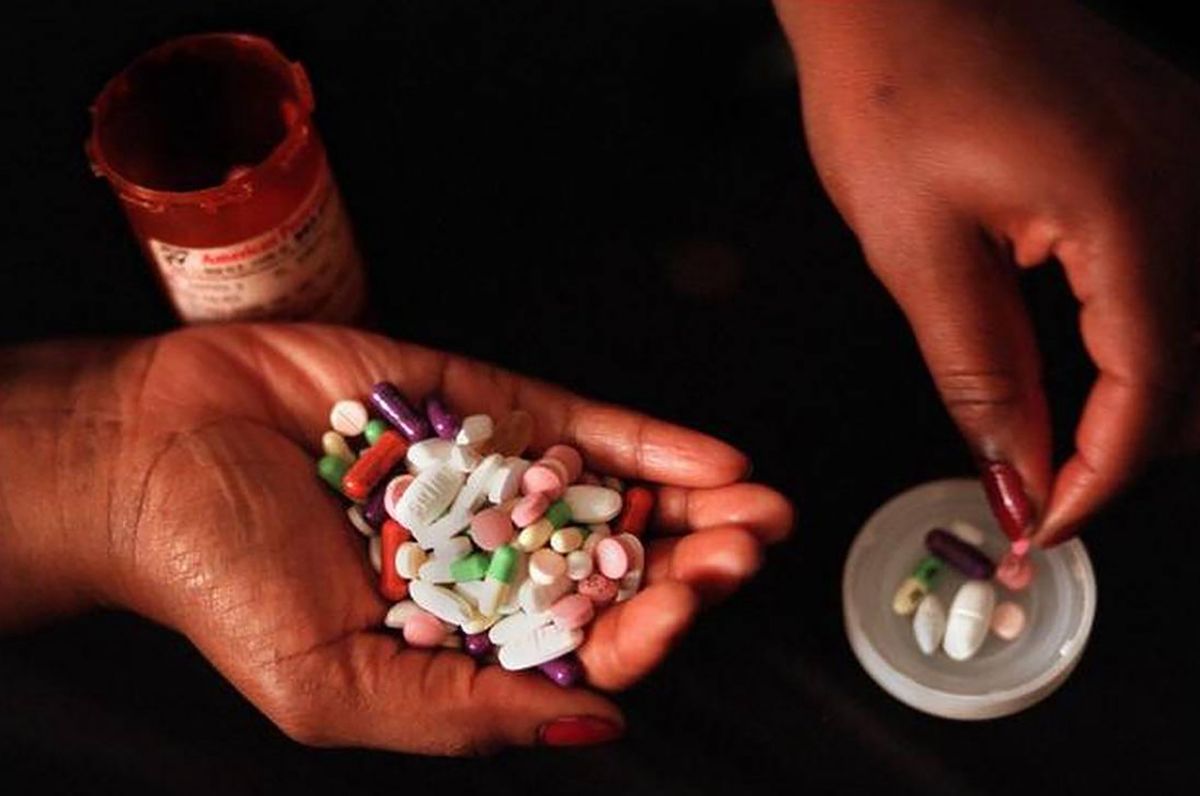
[964, 141]
[222, 530]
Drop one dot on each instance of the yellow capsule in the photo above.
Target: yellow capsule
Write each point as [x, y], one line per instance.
[909, 596]
[535, 536]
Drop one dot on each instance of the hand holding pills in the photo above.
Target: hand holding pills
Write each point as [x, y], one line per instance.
[204, 514]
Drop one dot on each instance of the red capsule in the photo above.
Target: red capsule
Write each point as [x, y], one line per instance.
[1006, 495]
[639, 502]
[391, 585]
[374, 463]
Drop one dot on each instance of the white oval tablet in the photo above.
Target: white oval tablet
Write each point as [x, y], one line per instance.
[441, 602]
[505, 484]
[967, 532]
[375, 552]
[591, 504]
[430, 494]
[544, 644]
[511, 628]
[409, 560]
[399, 613]
[348, 417]
[629, 584]
[355, 514]
[579, 565]
[464, 458]
[929, 624]
[479, 624]
[454, 548]
[969, 619]
[436, 570]
[428, 453]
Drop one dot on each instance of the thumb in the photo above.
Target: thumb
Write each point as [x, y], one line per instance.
[366, 692]
[962, 300]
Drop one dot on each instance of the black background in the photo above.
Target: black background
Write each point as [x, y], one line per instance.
[629, 182]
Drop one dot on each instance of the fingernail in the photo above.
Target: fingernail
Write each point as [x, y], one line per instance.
[1006, 495]
[578, 731]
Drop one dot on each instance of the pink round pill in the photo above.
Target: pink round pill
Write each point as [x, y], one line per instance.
[394, 491]
[530, 509]
[491, 528]
[1021, 546]
[423, 629]
[541, 478]
[1008, 620]
[599, 589]
[569, 457]
[612, 558]
[1015, 572]
[573, 611]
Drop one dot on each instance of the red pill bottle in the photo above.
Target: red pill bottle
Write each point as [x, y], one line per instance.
[209, 144]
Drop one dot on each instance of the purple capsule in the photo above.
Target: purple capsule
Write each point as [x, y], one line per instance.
[391, 404]
[965, 557]
[445, 423]
[477, 645]
[565, 671]
[374, 511]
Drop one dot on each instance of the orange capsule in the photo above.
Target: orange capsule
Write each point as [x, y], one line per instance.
[639, 502]
[391, 585]
[374, 463]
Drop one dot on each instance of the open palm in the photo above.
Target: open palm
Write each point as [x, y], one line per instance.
[228, 536]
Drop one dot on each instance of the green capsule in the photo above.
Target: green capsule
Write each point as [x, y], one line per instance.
[504, 562]
[559, 514]
[472, 567]
[374, 430]
[332, 468]
[927, 570]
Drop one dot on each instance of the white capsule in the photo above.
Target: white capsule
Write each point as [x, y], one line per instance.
[592, 503]
[441, 602]
[511, 628]
[579, 565]
[929, 624]
[535, 598]
[565, 540]
[969, 619]
[464, 458]
[334, 444]
[475, 429]
[355, 515]
[493, 594]
[375, 552]
[544, 644]
[631, 581]
[510, 602]
[409, 560]
[399, 613]
[546, 566]
[348, 417]
[430, 494]
[428, 453]
[967, 532]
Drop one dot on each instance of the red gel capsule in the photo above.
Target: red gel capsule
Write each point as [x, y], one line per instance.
[374, 463]
[639, 502]
[391, 585]
[1006, 495]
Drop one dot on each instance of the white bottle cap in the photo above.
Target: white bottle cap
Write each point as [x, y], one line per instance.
[1004, 676]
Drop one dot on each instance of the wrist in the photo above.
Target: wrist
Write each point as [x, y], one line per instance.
[62, 418]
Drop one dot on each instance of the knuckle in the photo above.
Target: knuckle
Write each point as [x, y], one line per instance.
[978, 398]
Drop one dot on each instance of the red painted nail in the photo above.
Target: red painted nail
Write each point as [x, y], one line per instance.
[578, 731]
[1006, 495]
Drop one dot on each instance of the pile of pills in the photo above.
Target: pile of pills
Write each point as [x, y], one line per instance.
[961, 631]
[506, 557]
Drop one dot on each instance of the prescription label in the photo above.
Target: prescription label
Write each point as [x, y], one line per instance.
[307, 268]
